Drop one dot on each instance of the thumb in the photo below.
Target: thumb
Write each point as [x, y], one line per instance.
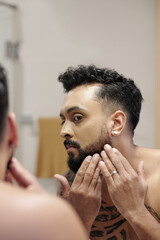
[64, 183]
[141, 173]
[141, 170]
[142, 178]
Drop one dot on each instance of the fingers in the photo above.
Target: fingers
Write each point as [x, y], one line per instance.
[117, 161]
[90, 171]
[21, 175]
[106, 174]
[96, 182]
[141, 174]
[108, 162]
[112, 162]
[64, 183]
[86, 172]
[24, 178]
[81, 172]
[99, 184]
[87, 176]
[141, 169]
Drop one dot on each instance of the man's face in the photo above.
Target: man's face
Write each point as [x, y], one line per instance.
[84, 125]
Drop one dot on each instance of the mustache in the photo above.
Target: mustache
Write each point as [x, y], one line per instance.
[72, 143]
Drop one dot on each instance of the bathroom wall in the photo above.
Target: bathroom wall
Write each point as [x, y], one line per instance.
[55, 34]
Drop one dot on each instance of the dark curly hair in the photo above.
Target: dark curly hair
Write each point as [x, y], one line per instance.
[4, 102]
[115, 88]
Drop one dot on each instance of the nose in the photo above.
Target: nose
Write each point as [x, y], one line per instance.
[66, 130]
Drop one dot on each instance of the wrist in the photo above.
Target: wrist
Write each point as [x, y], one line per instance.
[136, 216]
[140, 217]
[144, 224]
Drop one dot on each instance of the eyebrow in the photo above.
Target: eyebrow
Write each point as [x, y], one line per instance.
[72, 109]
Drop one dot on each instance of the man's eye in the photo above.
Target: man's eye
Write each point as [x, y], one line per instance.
[77, 118]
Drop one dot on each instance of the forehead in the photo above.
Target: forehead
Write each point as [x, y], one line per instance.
[82, 96]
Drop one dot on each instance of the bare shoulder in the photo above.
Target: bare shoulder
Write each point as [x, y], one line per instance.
[31, 216]
[150, 151]
[151, 157]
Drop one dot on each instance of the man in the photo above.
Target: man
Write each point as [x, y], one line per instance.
[99, 115]
[28, 213]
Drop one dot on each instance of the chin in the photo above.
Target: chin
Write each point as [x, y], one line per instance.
[74, 163]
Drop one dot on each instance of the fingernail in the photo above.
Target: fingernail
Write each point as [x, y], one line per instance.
[88, 159]
[114, 150]
[96, 156]
[101, 163]
[103, 153]
[107, 146]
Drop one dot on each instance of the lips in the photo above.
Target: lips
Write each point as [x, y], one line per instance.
[70, 148]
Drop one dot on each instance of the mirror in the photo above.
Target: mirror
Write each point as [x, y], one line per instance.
[53, 35]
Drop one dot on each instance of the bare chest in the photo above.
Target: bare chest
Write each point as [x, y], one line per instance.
[110, 225]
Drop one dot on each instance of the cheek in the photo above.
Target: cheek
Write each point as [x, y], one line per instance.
[89, 135]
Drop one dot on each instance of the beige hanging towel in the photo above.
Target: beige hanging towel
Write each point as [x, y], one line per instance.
[52, 155]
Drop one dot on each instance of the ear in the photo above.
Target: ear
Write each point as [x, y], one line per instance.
[13, 134]
[117, 123]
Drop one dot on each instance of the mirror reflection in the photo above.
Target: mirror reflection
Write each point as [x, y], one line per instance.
[42, 38]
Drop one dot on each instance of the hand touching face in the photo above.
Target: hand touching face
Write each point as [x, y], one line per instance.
[127, 188]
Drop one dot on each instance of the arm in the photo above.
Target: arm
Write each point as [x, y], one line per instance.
[127, 190]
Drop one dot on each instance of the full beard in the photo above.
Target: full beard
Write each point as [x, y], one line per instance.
[74, 163]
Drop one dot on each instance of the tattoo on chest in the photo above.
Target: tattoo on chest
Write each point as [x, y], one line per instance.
[123, 233]
[106, 216]
[110, 213]
[96, 233]
[112, 228]
[112, 238]
[154, 214]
